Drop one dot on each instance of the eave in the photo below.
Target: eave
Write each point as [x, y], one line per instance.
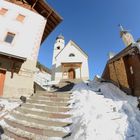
[13, 57]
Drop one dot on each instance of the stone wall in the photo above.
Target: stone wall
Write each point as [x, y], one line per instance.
[22, 81]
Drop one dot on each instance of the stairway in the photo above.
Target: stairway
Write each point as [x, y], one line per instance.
[45, 116]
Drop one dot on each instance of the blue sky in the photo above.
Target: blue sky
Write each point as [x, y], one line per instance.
[93, 25]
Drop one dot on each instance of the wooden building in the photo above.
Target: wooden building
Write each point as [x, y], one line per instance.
[124, 68]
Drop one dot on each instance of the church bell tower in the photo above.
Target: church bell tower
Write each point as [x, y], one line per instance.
[58, 46]
[126, 36]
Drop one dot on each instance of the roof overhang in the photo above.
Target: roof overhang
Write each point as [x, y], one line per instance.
[127, 51]
[43, 8]
[53, 18]
[13, 57]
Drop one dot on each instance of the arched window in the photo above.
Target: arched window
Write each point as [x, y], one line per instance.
[71, 55]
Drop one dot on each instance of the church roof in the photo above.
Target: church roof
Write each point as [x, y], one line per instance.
[75, 45]
[43, 8]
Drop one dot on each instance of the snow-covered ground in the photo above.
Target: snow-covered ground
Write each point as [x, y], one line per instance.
[7, 105]
[106, 115]
[101, 111]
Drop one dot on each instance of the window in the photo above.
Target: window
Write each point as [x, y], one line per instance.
[58, 47]
[3, 11]
[20, 18]
[71, 55]
[9, 37]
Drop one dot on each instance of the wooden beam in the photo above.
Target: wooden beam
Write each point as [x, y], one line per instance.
[49, 14]
[71, 64]
[12, 69]
[62, 71]
[34, 4]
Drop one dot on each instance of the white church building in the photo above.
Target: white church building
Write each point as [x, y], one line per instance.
[69, 62]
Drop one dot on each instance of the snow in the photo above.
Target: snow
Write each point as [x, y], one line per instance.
[42, 78]
[7, 105]
[101, 111]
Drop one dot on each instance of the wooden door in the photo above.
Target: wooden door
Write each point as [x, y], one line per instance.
[2, 78]
[71, 74]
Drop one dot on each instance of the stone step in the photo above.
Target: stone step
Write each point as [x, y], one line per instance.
[43, 118]
[54, 96]
[59, 94]
[14, 136]
[46, 108]
[19, 134]
[39, 120]
[37, 128]
[51, 99]
[43, 113]
[4, 137]
[49, 103]
[47, 125]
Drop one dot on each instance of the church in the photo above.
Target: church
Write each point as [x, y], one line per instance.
[69, 61]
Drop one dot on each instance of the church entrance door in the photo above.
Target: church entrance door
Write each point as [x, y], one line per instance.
[2, 78]
[71, 73]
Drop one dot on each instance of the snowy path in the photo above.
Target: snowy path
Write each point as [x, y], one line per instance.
[106, 115]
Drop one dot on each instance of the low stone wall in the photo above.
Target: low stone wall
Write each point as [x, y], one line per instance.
[21, 83]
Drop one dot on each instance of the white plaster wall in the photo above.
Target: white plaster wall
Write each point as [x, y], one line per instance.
[77, 71]
[58, 43]
[64, 58]
[85, 70]
[25, 44]
[28, 33]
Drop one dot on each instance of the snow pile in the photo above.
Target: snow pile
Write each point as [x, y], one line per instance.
[7, 105]
[102, 112]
